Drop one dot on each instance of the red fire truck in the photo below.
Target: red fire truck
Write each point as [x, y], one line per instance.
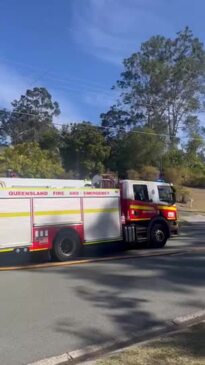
[62, 216]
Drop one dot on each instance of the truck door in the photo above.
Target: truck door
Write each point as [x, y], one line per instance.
[141, 208]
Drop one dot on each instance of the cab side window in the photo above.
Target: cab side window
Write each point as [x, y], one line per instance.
[141, 193]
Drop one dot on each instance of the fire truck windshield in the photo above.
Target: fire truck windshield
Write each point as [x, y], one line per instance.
[166, 194]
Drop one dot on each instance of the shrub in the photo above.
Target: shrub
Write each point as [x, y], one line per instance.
[133, 175]
[149, 173]
[196, 179]
[29, 160]
[177, 176]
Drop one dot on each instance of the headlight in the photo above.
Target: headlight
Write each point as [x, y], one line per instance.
[171, 214]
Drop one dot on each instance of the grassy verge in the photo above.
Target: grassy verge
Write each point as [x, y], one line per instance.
[198, 205]
[184, 348]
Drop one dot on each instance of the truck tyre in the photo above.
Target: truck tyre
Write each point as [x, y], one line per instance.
[67, 245]
[158, 235]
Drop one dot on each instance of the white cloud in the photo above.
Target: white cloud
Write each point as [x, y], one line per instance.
[102, 100]
[112, 29]
[12, 85]
[69, 113]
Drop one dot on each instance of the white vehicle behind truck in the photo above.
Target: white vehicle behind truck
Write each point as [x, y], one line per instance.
[6, 182]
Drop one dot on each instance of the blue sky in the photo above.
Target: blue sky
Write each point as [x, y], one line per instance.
[75, 48]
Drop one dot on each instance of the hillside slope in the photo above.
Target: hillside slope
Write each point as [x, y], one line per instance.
[198, 201]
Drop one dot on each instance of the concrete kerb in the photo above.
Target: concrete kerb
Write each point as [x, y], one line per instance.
[95, 351]
[189, 319]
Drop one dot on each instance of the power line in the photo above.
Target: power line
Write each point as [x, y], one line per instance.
[21, 113]
[54, 77]
[29, 115]
[84, 83]
[37, 114]
[69, 83]
[101, 127]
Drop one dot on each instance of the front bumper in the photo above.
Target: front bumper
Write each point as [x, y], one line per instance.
[174, 228]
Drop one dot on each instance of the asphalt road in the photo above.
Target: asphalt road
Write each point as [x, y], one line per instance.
[46, 312]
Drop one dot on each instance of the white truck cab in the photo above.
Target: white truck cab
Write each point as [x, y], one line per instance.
[148, 191]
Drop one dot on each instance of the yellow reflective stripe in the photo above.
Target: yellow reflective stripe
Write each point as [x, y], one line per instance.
[105, 210]
[165, 207]
[37, 249]
[105, 241]
[14, 214]
[145, 207]
[31, 249]
[142, 207]
[39, 213]
[6, 250]
[56, 212]
[140, 219]
[63, 212]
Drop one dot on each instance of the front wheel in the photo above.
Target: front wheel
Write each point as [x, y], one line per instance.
[66, 246]
[158, 236]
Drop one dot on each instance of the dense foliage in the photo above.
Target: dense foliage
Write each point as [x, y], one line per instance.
[153, 130]
[29, 160]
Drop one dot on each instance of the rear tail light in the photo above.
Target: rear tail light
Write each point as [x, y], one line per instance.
[40, 234]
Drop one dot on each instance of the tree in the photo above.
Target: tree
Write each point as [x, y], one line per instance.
[31, 116]
[50, 139]
[84, 149]
[3, 133]
[116, 122]
[29, 160]
[174, 157]
[195, 151]
[137, 148]
[162, 85]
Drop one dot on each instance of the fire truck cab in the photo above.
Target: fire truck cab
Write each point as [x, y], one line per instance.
[148, 191]
[149, 211]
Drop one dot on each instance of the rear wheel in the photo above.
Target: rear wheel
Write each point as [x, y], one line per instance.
[66, 246]
[158, 236]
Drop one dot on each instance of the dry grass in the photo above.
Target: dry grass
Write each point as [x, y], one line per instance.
[185, 348]
[198, 204]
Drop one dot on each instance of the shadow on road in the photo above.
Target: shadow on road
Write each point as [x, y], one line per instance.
[64, 308]
[133, 295]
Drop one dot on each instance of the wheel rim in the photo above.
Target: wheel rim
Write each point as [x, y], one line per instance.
[159, 235]
[66, 247]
